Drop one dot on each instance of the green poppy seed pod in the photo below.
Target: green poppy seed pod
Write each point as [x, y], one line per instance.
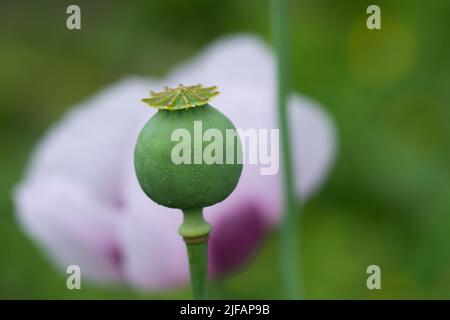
[188, 154]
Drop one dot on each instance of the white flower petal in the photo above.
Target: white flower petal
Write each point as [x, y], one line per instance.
[70, 223]
[314, 144]
[155, 255]
[229, 61]
[87, 145]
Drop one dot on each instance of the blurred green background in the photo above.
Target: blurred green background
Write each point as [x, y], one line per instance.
[387, 201]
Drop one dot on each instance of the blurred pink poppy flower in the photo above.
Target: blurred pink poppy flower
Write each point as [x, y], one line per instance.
[81, 202]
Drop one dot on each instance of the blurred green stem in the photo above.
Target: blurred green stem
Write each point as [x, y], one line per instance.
[288, 236]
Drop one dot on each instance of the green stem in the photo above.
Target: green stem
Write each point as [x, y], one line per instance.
[289, 260]
[195, 231]
[198, 264]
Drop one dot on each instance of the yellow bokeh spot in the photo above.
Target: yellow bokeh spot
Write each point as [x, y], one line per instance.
[380, 57]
